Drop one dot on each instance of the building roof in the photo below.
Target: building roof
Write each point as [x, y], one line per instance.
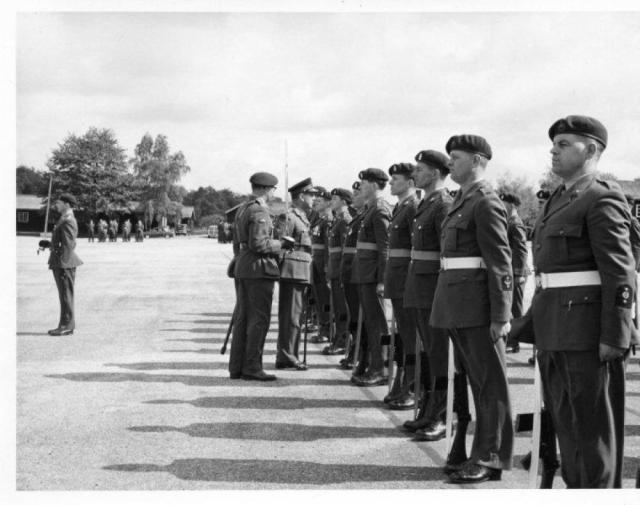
[187, 211]
[29, 202]
[631, 188]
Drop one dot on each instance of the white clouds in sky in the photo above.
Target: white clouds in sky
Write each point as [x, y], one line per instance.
[348, 90]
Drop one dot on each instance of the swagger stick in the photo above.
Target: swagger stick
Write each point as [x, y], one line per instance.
[450, 376]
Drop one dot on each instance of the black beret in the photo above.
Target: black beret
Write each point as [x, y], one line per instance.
[510, 198]
[322, 192]
[374, 175]
[580, 125]
[453, 192]
[68, 198]
[345, 194]
[304, 186]
[263, 179]
[469, 143]
[405, 169]
[543, 194]
[355, 186]
[435, 159]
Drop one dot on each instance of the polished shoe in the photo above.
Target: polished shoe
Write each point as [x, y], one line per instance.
[259, 376]
[60, 332]
[318, 339]
[332, 351]
[453, 466]
[512, 348]
[532, 360]
[396, 386]
[405, 402]
[372, 379]
[474, 473]
[235, 375]
[432, 432]
[298, 365]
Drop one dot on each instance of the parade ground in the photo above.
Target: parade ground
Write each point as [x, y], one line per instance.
[139, 397]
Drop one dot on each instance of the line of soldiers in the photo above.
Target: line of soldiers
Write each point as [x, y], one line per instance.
[454, 269]
[110, 230]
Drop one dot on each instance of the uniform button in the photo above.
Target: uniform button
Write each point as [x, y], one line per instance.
[538, 246]
[459, 215]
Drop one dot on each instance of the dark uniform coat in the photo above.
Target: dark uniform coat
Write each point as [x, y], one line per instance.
[337, 235]
[349, 248]
[370, 264]
[517, 235]
[319, 241]
[296, 264]
[395, 274]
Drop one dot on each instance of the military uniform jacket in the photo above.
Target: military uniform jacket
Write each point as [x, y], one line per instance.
[320, 241]
[295, 265]
[63, 243]
[518, 243]
[371, 260]
[395, 274]
[255, 250]
[337, 236]
[585, 228]
[475, 226]
[348, 250]
[422, 277]
[634, 235]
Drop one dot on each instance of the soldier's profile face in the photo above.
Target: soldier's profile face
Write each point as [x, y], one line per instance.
[336, 202]
[398, 184]
[461, 166]
[568, 154]
[366, 188]
[423, 175]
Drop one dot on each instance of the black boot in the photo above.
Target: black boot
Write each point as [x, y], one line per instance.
[458, 454]
[425, 383]
[436, 413]
[396, 387]
[405, 399]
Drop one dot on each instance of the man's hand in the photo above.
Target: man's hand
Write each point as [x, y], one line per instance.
[609, 352]
[380, 289]
[499, 330]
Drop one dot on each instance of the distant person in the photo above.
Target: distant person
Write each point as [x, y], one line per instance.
[63, 261]
[92, 228]
[126, 231]
[221, 232]
[102, 231]
[139, 231]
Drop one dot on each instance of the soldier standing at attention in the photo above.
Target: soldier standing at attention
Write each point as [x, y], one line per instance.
[430, 173]
[517, 234]
[139, 231]
[372, 250]
[581, 308]
[256, 271]
[319, 244]
[473, 302]
[63, 261]
[403, 187]
[350, 287]
[295, 275]
[92, 230]
[340, 201]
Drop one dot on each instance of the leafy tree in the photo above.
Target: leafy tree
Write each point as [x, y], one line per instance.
[30, 181]
[211, 202]
[92, 167]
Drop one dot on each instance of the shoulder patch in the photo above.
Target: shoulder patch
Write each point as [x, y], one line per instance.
[624, 296]
[507, 283]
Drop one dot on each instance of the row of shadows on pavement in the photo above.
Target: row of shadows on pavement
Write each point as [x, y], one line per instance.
[265, 470]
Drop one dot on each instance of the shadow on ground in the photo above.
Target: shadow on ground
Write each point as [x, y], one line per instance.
[267, 352]
[269, 403]
[284, 472]
[212, 340]
[196, 365]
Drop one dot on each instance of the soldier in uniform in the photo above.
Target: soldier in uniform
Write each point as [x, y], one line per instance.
[402, 186]
[473, 302]
[256, 270]
[582, 305]
[372, 249]
[340, 201]
[319, 243]
[295, 275]
[139, 231]
[431, 171]
[63, 261]
[126, 231]
[102, 230]
[92, 230]
[517, 234]
[348, 281]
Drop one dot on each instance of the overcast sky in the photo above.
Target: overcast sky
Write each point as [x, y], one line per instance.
[347, 91]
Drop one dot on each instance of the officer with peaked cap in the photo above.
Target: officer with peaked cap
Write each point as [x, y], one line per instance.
[582, 305]
[63, 261]
[372, 250]
[320, 260]
[517, 234]
[473, 302]
[402, 186]
[340, 201]
[256, 270]
[295, 275]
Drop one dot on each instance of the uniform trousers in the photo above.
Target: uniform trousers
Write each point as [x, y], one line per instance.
[65, 279]
[251, 324]
[340, 309]
[486, 369]
[290, 305]
[435, 344]
[375, 323]
[406, 328]
[322, 295]
[578, 394]
[517, 305]
[353, 302]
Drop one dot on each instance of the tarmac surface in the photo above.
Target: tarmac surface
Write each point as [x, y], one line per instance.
[139, 397]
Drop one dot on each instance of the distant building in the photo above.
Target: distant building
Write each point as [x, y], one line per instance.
[30, 214]
[188, 215]
[632, 189]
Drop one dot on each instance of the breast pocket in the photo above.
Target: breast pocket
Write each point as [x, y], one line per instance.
[561, 236]
[453, 234]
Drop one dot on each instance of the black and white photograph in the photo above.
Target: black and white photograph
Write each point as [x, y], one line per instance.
[321, 247]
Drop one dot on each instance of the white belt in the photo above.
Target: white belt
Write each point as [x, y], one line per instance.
[568, 279]
[369, 246]
[399, 253]
[425, 255]
[348, 250]
[333, 250]
[462, 263]
[318, 247]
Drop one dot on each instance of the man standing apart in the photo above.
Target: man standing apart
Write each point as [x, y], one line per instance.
[473, 302]
[369, 266]
[319, 243]
[582, 305]
[256, 271]
[63, 261]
